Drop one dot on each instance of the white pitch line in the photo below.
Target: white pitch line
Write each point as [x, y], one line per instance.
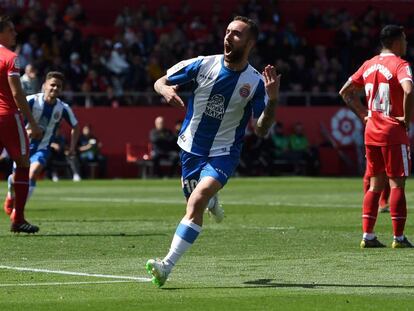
[64, 283]
[109, 276]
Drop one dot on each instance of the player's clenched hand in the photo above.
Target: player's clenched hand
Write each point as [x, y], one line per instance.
[171, 96]
[272, 82]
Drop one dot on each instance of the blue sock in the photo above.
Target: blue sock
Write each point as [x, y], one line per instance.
[185, 235]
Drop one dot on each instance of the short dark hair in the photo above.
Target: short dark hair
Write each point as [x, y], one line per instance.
[5, 21]
[253, 28]
[55, 74]
[389, 34]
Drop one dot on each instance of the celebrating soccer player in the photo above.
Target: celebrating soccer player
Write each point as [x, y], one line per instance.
[13, 137]
[227, 92]
[388, 83]
[48, 110]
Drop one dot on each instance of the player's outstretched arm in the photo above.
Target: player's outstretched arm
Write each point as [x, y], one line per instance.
[272, 84]
[21, 102]
[349, 94]
[169, 92]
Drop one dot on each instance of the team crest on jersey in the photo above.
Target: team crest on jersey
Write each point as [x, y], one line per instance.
[244, 91]
[56, 116]
[215, 107]
[410, 74]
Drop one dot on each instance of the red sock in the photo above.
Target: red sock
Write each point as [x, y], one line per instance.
[366, 182]
[385, 194]
[398, 209]
[370, 211]
[21, 188]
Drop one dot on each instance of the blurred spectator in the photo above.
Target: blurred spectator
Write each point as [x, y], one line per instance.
[76, 72]
[163, 148]
[280, 143]
[119, 67]
[30, 81]
[255, 156]
[304, 157]
[280, 147]
[95, 83]
[58, 159]
[93, 163]
[30, 51]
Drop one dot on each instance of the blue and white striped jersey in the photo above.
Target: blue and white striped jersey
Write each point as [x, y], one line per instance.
[48, 117]
[221, 105]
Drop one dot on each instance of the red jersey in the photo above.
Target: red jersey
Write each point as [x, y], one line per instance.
[381, 77]
[9, 66]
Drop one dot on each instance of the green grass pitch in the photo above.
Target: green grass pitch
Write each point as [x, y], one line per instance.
[286, 243]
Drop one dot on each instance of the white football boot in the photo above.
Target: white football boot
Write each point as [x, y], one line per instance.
[158, 270]
[215, 210]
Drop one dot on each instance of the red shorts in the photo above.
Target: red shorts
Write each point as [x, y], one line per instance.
[394, 160]
[13, 136]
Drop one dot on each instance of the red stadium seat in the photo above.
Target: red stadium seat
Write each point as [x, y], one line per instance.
[139, 154]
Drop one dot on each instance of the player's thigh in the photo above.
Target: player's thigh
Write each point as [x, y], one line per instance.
[14, 139]
[40, 156]
[220, 168]
[397, 160]
[375, 161]
[38, 161]
[206, 188]
[191, 167]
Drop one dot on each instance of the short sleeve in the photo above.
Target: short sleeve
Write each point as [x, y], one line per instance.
[259, 100]
[30, 100]
[185, 71]
[69, 116]
[404, 72]
[13, 66]
[357, 77]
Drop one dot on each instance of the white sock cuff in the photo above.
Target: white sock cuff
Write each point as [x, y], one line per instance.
[192, 225]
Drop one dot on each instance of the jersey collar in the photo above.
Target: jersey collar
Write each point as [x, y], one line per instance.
[387, 54]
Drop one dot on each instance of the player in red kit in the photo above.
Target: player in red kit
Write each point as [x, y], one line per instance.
[13, 135]
[388, 83]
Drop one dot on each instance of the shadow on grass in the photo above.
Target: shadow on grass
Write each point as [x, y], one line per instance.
[271, 283]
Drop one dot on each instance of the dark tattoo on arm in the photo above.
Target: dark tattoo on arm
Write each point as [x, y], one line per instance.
[266, 119]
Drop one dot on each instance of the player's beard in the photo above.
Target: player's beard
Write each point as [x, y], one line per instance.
[235, 56]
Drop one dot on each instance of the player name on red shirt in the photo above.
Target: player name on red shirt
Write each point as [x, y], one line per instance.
[381, 77]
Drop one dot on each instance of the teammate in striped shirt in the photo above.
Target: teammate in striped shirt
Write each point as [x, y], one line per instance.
[227, 93]
[388, 83]
[13, 137]
[48, 111]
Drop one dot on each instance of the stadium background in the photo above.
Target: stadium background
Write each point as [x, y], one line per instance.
[314, 44]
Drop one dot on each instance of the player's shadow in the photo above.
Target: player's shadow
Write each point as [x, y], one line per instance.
[269, 283]
[272, 283]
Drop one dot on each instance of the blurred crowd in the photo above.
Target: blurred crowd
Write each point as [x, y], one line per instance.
[144, 44]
